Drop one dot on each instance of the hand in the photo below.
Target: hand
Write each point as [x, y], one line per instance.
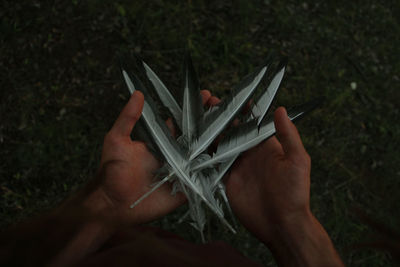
[127, 170]
[270, 184]
[269, 191]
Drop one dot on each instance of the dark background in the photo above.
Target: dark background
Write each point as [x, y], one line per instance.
[61, 89]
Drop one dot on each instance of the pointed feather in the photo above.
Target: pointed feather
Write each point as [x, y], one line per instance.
[248, 136]
[166, 97]
[259, 111]
[263, 103]
[192, 106]
[167, 145]
[219, 119]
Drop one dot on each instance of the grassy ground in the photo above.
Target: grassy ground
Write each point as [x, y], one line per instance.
[61, 89]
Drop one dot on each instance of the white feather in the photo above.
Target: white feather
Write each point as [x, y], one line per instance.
[168, 146]
[165, 96]
[222, 116]
[261, 107]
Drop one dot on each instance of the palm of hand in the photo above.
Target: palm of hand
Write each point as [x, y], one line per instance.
[127, 168]
[270, 182]
[128, 171]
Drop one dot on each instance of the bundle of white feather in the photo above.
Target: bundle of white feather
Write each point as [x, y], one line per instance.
[187, 164]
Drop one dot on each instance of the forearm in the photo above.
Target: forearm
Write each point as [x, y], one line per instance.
[58, 238]
[303, 243]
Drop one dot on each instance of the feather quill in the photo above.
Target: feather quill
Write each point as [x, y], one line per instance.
[154, 188]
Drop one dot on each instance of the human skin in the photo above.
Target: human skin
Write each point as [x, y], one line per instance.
[268, 189]
[127, 170]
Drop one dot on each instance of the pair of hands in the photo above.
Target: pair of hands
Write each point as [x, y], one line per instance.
[268, 184]
[268, 189]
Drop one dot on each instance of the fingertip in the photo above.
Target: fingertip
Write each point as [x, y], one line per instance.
[280, 121]
[206, 92]
[213, 101]
[138, 95]
[129, 115]
[287, 132]
[280, 112]
[171, 127]
[205, 95]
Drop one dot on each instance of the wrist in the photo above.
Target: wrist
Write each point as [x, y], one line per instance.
[92, 204]
[80, 232]
[302, 242]
[89, 218]
[280, 226]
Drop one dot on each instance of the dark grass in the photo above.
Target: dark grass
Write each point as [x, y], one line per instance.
[61, 90]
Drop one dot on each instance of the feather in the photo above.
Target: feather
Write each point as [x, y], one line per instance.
[164, 94]
[192, 106]
[237, 141]
[198, 216]
[162, 171]
[223, 168]
[219, 119]
[176, 187]
[188, 168]
[154, 188]
[167, 145]
[259, 111]
[184, 216]
[248, 136]
[297, 112]
[221, 190]
[140, 133]
[262, 105]
[205, 180]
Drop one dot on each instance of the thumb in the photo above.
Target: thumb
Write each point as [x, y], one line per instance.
[287, 134]
[129, 115]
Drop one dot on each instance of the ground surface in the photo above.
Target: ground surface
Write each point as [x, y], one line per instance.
[61, 89]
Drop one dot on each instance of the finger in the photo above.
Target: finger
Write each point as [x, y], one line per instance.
[287, 134]
[205, 96]
[247, 107]
[272, 145]
[129, 115]
[171, 127]
[213, 101]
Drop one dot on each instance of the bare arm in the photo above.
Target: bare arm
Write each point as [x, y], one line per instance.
[269, 189]
[87, 219]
